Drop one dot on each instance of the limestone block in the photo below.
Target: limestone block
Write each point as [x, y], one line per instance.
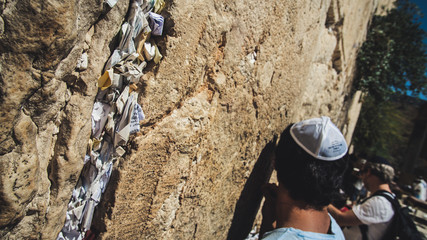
[20, 169]
[46, 105]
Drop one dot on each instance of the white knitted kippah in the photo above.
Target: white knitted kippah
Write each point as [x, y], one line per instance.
[320, 138]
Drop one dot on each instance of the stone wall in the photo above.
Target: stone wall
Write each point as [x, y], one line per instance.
[234, 74]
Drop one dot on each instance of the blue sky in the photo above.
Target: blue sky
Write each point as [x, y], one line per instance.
[422, 4]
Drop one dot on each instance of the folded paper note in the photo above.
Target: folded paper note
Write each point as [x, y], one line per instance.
[99, 118]
[156, 23]
[111, 3]
[104, 81]
[82, 62]
[158, 6]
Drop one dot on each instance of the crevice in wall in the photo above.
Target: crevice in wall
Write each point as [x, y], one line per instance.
[330, 16]
[106, 206]
[334, 23]
[337, 61]
[126, 65]
[58, 153]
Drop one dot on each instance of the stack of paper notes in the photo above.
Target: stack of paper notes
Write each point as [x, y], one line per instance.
[116, 113]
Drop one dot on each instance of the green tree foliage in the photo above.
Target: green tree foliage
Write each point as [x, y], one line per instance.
[393, 54]
[383, 129]
[392, 57]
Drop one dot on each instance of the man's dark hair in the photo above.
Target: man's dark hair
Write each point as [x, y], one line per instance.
[314, 182]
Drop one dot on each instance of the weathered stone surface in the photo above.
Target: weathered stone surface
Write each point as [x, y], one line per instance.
[234, 74]
[46, 105]
[22, 167]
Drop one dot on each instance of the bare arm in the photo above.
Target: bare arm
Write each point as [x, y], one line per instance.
[347, 218]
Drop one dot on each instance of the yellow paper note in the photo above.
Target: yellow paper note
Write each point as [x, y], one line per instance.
[140, 40]
[158, 56]
[96, 144]
[104, 81]
[159, 5]
[133, 87]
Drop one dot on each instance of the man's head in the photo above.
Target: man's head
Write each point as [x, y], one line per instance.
[311, 160]
[380, 168]
[419, 179]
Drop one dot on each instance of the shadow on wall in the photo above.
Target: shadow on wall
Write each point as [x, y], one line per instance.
[250, 199]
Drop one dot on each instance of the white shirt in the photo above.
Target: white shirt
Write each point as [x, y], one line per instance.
[377, 212]
[421, 190]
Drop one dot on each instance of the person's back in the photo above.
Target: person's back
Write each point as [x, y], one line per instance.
[371, 218]
[421, 189]
[376, 213]
[310, 163]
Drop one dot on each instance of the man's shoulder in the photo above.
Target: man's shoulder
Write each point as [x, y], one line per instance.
[378, 201]
[376, 209]
[293, 233]
[279, 233]
[296, 234]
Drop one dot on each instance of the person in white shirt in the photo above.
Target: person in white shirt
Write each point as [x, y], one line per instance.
[371, 218]
[421, 189]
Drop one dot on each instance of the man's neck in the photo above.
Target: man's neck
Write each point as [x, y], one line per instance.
[375, 184]
[291, 213]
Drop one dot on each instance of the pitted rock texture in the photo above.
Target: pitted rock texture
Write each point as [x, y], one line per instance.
[46, 106]
[234, 74]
